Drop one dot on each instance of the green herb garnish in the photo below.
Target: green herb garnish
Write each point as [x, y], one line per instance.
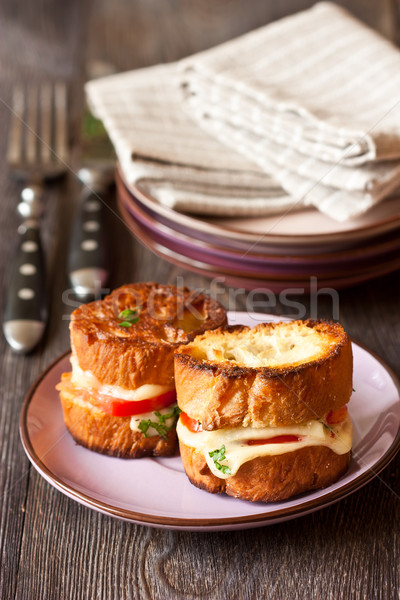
[128, 317]
[160, 426]
[218, 456]
[326, 426]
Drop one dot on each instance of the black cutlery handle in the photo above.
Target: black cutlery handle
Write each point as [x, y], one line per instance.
[26, 311]
[88, 261]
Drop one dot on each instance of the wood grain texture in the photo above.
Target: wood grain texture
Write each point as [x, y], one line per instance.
[50, 546]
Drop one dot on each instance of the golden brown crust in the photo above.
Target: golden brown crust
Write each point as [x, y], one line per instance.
[224, 394]
[103, 433]
[133, 356]
[269, 478]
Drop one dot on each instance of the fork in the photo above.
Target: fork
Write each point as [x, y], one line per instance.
[37, 151]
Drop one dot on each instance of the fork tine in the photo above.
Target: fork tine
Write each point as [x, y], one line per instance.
[45, 122]
[60, 98]
[32, 124]
[38, 140]
[14, 148]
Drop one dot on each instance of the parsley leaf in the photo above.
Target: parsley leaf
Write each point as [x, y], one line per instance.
[128, 317]
[161, 425]
[326, 426]
[127, 313]
[218, 456]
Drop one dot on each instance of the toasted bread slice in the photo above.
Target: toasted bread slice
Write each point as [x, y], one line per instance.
[269, 478]
[133, 356]
[94, 429]
[274, 374]
[126, 355]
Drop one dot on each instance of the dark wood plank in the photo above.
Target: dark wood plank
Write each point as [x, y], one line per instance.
[144, 33]
[15, 376]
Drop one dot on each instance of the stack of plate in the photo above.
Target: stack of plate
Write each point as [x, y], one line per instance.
[296, 250]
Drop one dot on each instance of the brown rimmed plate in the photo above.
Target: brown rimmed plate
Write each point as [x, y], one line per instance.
[156, 492]
[304, 231]
[235, 277]
[255, 262]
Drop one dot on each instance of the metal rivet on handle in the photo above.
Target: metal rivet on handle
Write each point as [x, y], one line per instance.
[89, 245]
[29, 246]
[26, 294]
[91, 226]
[92, 205]
[27, 269]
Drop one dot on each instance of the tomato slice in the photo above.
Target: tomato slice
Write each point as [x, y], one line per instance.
[278, 439]
[336, 416]
[192, 424]
[127, 408]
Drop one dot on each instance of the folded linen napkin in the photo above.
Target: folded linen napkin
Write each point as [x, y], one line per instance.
[165, 152]
[302, 111]
[313, 99]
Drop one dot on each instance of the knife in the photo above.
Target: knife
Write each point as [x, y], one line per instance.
[26, 310]
[89, 248]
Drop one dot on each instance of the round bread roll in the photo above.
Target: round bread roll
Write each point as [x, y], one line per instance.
[274, 374]
[119, 345]
[264, 409]
[269, 478]
[133, 356]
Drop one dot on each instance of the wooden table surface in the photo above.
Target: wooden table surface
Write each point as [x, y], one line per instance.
[54, 548]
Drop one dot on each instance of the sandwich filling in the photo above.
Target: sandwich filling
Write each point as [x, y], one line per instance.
[226, 450]
[86, 380]
[152, 407]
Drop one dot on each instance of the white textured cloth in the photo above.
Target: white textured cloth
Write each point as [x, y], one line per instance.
[162, 149]
[304, 111]
[313, 99]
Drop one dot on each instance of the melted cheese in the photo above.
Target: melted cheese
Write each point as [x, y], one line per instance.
[136, 419]
[79, 400]
[237, 451]
[88, 381]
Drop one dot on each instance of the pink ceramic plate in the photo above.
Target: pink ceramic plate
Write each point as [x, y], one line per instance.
[156, 491]
[307, 231]
[353, 260]
[236, 278]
